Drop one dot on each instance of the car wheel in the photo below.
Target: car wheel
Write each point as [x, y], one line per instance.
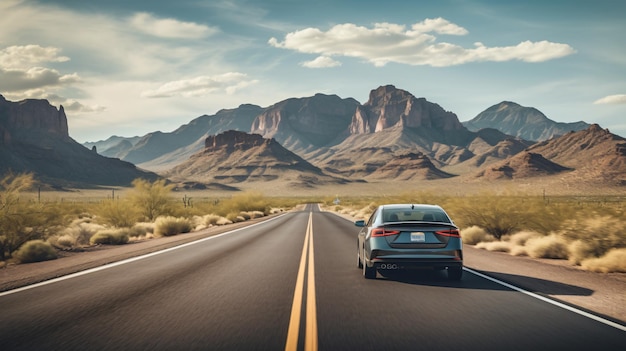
[455, 273]
[359, 263]
[369, 272]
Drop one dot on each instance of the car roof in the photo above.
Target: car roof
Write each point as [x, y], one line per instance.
[414, 206]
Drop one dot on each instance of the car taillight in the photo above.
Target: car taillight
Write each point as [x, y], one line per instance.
[449, 232]
[384, 232]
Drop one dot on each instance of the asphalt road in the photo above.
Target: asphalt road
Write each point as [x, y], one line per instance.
[290, 282]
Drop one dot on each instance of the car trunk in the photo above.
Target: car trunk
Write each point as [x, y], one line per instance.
[418, 235]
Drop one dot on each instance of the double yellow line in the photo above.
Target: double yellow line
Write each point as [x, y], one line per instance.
[310, 341]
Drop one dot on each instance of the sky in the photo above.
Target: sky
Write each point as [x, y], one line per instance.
[128, 68]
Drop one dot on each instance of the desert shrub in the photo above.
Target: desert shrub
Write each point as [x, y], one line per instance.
[212, 219]
[595, 235]
[551, 246]
[498, 246]
[497, 215]
[275, 210]
[151, 199]
[111, 237]
[234, 218]
[256, 214]
[63, 241]
[23, 221]
[517, 250]
[35, 251]
[117, 213]
[474, 235]
[141, 229]
[223, 221]
[245, 215]
[81, 230]
[579, 251]
[613, 261]
[168, 225]
[520, 238]
[247, 201]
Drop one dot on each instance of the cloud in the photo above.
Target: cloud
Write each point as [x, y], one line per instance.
[29, 55]
[612, 99]
[387, 42]
[321, 62]
[170, 28]
[13, 80]
[201, 86]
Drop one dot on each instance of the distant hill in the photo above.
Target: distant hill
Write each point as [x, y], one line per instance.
[523, 165]
[114, 146]
[233, 157]
[34, 139]
[595, 154]
[523, 122]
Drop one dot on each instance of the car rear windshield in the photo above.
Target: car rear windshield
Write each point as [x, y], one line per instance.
[403, 215]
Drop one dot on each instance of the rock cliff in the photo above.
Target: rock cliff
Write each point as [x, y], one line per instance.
[34, 139]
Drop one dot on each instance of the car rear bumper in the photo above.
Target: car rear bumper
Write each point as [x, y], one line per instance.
[392, 264]
[393, 260]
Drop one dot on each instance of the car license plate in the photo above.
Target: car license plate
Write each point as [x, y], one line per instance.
[418, 237]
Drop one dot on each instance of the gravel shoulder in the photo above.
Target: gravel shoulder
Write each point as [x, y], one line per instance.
[599, 293]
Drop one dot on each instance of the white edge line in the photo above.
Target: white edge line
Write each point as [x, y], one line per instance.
[537, 296]
[548, 300]
[129, 260]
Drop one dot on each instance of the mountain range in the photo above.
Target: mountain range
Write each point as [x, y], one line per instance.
[34, 139]
[394, 136]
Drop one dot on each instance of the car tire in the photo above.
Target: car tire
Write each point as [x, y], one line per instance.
[369, 272]
[359, 263]
[455, 273]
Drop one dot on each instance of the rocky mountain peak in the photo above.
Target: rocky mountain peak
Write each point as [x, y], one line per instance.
[523, 122]
[30, 119]
[319, 120]
[234, 140]
[390, 107]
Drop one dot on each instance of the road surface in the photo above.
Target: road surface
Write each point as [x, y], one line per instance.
[287, 283]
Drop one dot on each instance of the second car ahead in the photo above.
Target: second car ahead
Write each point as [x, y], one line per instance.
[409, 236]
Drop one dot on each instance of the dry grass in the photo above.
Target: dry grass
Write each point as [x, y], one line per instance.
[613, 261]
[117, 236]
[551, 246]
[168, 225]
[497, 246]
[474, 235]
[35, 251]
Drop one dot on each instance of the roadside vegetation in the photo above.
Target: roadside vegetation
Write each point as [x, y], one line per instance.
[33, 229]
[588, 232]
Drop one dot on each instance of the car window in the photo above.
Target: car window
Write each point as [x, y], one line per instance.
[369, 221]
[407, 215]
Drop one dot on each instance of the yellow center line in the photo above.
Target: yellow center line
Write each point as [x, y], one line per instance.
[310, 343]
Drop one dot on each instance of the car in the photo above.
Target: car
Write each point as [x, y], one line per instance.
[409, 236]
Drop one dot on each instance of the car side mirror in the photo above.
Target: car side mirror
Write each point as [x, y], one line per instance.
[360, 223]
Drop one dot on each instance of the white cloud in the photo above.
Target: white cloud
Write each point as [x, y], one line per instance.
[29, 55]
[170, 28]
[201, 86]
[387, 42]
[13, 80]
[321, 62]
[438, 25]
[612, 99]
